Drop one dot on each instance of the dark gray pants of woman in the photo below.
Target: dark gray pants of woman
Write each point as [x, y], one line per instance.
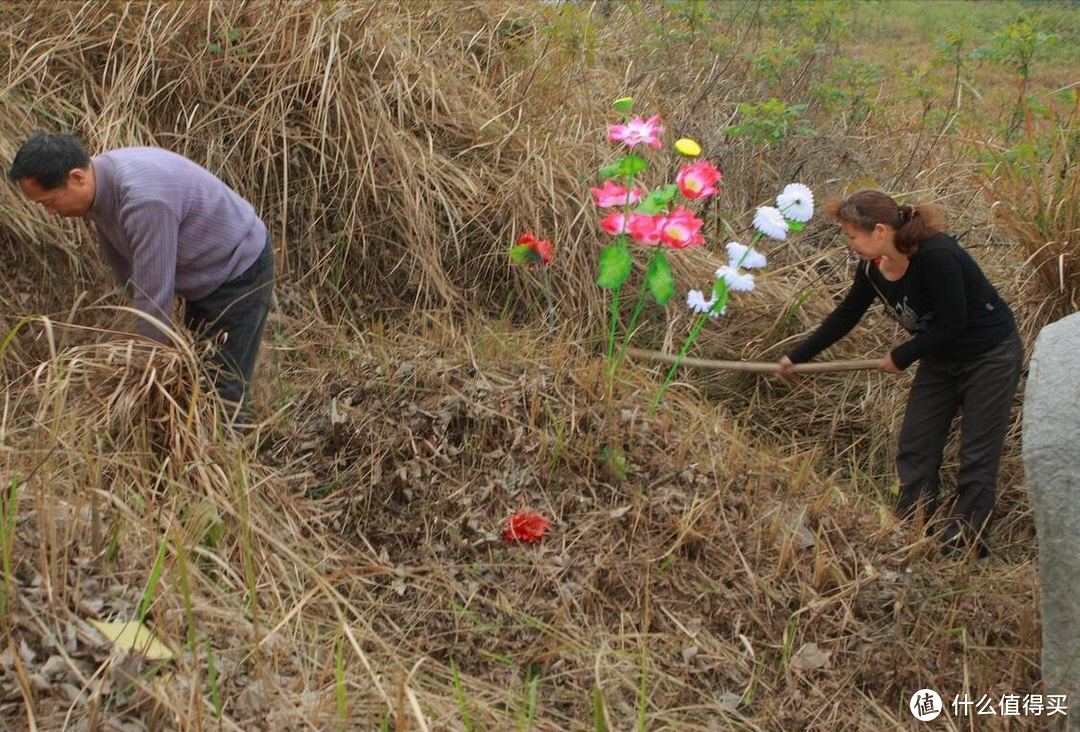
[981, 390]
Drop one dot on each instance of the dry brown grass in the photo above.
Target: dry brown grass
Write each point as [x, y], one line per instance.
[412, 400]
[713, 565]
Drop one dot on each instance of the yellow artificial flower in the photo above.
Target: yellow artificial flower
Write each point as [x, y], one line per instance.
[689, 148]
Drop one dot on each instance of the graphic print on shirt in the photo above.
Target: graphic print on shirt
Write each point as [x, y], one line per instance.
[906, 316]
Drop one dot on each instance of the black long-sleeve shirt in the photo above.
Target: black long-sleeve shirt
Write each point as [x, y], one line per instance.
[943, 300]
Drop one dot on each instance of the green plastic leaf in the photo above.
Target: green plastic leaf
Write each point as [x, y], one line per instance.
[666, 193]
[659, 280]
[795, 225]
[615, 265]
[657, 200]
[623, 104]
[719, 295]
[631, 165]
[522, 254]
[625, 167]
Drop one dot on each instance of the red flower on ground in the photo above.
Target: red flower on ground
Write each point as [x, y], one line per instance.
[526, 526]
[541, 249]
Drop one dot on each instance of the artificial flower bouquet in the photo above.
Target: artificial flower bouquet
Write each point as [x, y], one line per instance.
[665, 220]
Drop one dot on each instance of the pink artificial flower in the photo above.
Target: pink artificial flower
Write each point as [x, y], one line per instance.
[542, 247]
[637, 131]
[614, 223]
[646, 229]
[613, 194]
[698, 180]
[682, 229]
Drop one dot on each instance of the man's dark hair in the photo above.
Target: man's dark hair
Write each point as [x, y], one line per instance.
[48, 159]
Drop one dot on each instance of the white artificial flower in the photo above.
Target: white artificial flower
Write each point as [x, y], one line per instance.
[796, 202]
[736, 280]
[742, 256]
[770, 222]
[695, 300]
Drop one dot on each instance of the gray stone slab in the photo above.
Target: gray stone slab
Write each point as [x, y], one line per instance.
[1051, 445]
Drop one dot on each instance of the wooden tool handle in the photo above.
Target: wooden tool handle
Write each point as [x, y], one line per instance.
[758, 367]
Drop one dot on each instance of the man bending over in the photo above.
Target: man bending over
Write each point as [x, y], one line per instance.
[167, 227]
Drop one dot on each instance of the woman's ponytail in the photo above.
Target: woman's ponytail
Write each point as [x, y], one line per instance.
[917, 224]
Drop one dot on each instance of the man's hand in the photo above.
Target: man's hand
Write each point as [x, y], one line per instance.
[783, 368]
[886, 364]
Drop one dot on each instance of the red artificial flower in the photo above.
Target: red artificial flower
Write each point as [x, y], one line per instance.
[526, 526]
[541, 247]
[614, 223]
[646, 229]
[698, 180]
[612, 194]
[682, 229]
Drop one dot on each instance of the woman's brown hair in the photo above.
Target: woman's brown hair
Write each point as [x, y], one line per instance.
[865, 209]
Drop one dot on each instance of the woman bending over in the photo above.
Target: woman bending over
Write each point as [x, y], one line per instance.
[962, 334]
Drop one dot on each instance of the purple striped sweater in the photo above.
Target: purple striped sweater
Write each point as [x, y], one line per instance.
[168, 227]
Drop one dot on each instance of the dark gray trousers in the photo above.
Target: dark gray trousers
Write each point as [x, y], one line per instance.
[982, 390]
[233, 318]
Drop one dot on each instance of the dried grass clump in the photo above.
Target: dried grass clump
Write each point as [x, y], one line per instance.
[123, 393]
[133, 502]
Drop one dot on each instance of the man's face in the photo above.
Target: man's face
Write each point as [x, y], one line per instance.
[72, 199]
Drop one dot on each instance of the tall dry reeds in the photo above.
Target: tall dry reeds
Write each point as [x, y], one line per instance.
[394, 151]
[386, 147]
